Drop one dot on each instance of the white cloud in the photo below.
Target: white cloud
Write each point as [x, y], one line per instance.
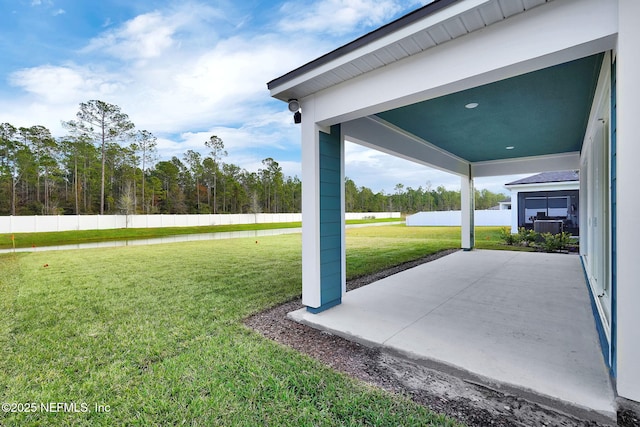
[235, 67]
[171, 31]
[51, 94]
[27, 114]
[338, 16]
[379, 171]
[176, 76]
[35, 3]
[145, 36]
[496, 183]
[64, 84]
[224, 84]
[47, 4]
[178, 73]
[176, 82]
[246, 147]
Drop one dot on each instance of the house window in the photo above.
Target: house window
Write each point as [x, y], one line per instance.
[542, 205]
[558, 206]
[534, 207]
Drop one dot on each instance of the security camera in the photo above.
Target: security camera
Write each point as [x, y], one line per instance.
[294, 105]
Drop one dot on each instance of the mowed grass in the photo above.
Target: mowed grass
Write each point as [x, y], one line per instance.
[372, 249]
[72, 237]
[156, 334]
[55, 238]
[377, 248]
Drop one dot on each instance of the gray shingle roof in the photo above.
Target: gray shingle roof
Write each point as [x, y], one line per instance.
[541, 178]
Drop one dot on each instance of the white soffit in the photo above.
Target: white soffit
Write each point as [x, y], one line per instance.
[375, 133]
[454, 21]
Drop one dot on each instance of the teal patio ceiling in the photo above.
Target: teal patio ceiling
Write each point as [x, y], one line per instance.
[539, 113]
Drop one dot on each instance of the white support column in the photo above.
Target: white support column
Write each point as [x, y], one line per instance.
[467, 206]
[310, 207]
[323, 248]
[628, 202]
[343, 219]
[514, 212]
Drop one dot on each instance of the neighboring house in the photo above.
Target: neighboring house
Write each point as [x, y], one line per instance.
[503, 205]
[485, 88]
[546, 198]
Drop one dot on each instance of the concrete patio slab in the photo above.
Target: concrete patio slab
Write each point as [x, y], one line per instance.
[519, 319]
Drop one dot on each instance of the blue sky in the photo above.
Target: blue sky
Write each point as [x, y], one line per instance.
[185, 70]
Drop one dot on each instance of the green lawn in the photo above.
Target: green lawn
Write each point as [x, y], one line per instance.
[376, 248]
[156, 333]
[27, 240]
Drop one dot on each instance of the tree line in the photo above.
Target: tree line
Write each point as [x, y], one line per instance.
[411, 200]
[104, 165]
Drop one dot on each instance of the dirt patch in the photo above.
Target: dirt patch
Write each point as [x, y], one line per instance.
[465, 400]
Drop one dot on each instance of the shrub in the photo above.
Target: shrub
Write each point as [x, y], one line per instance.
[523, 237]
[509, 239]
[555, 242]
[526, 237]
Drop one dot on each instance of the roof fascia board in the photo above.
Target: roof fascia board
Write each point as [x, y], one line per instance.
[376, 133]
[377, 39]
[544, 36]
[547, 186]
[533, 164]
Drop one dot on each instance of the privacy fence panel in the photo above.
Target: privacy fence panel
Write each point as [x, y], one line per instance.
[29, 224]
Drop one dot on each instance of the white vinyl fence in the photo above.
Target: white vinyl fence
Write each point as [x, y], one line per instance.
[27, 224]
[454, 218]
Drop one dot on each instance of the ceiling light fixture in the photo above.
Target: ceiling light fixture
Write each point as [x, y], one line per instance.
[471, 105]
[510, 147]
